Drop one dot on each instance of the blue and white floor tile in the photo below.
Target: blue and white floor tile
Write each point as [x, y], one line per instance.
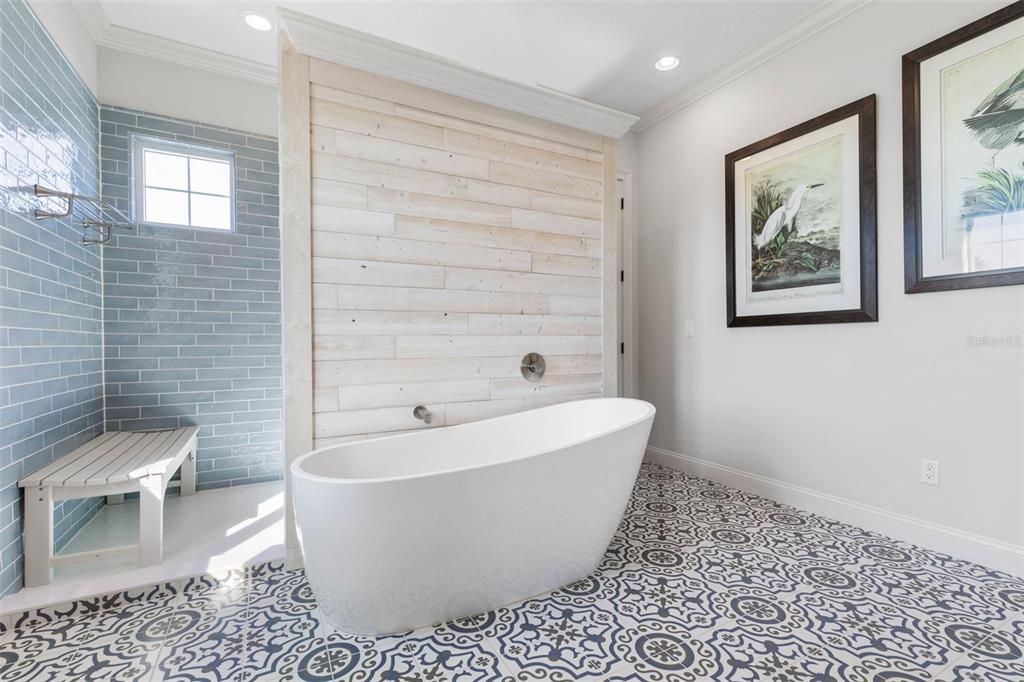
[701, 582]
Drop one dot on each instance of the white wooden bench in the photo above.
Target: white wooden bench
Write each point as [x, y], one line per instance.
[112, 464]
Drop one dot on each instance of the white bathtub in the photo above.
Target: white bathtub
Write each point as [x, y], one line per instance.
[417, 529]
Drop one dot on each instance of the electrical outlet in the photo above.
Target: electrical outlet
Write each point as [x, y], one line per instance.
[688, 328]
[929, 471]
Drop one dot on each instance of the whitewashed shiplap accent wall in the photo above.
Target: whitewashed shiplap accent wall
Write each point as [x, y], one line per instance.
[448, 239]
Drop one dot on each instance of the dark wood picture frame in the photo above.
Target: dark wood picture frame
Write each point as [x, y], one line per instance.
[913, 259]
[864, 109]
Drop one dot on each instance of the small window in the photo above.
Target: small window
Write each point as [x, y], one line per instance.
[181, 184]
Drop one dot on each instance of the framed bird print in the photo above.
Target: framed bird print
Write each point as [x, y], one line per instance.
[800, 223]
[963, 157]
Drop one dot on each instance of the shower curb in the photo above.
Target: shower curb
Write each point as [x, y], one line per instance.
[84, 607]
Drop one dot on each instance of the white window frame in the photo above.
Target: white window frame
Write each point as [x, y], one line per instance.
[141, 143]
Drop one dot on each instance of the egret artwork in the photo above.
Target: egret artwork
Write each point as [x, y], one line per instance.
[795, 219]
[800, 237]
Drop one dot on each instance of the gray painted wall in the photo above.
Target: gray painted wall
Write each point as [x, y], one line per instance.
[51, 390]
[847, 410]
[193, 316]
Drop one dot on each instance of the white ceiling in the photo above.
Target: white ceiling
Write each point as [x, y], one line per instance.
[599, 51]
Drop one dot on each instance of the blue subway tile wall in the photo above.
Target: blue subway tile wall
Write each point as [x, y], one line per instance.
[51, 336]
[193, 316]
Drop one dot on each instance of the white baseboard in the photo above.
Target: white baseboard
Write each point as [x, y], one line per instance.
[1002, 556]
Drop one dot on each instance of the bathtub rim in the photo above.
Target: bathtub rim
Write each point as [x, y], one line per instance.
[295, 468]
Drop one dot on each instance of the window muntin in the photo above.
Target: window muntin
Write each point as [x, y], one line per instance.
[183, 185]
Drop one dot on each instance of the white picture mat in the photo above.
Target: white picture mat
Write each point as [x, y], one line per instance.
[845, 295]
[937, 259]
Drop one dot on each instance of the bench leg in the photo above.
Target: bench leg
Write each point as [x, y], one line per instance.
[38, 539]
[151, 521]
[188, 472]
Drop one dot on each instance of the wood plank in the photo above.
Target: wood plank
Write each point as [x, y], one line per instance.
[502, 195]
[352, 220]
[346, 271]
[567, 265]
[455, 232]
[352, 422]
[364, 83]
[412, 394]
[127, 445]
[161, 461]
[365, 372]
[56, 470]
[481, 346]
[572, 385]
[139, 456]
[363, 347]
[397, 153]
[562, 325]
[419, 370]
[520, 282]
[386, 176]
[325, 296]
[375, 323]
[326, 192]
[111, 466]
[573, 364]
[154, 458]
[543, 180]
[504, 134]
[427, 206]
[338, 440]
[357, 297]
[360, 172]
[498, 150]
[351, 99]
[325, 398]
[550, 222]
[363, 247]
[83, 470]
[559, 204]
[375, 124]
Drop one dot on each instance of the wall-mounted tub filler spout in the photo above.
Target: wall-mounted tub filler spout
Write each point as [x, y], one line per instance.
[423, 414]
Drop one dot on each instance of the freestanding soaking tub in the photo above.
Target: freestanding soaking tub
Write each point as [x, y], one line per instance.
[417, 529]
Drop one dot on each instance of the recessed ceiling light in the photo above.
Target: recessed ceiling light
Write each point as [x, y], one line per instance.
[257, 21]
[666, 63]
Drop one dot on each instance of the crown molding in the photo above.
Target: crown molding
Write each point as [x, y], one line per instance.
[334, 43]
[804, 28]
[108, 35]
[93, 16]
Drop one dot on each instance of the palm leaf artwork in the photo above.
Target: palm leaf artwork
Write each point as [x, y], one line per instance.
[999, 120]
[996, 191]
